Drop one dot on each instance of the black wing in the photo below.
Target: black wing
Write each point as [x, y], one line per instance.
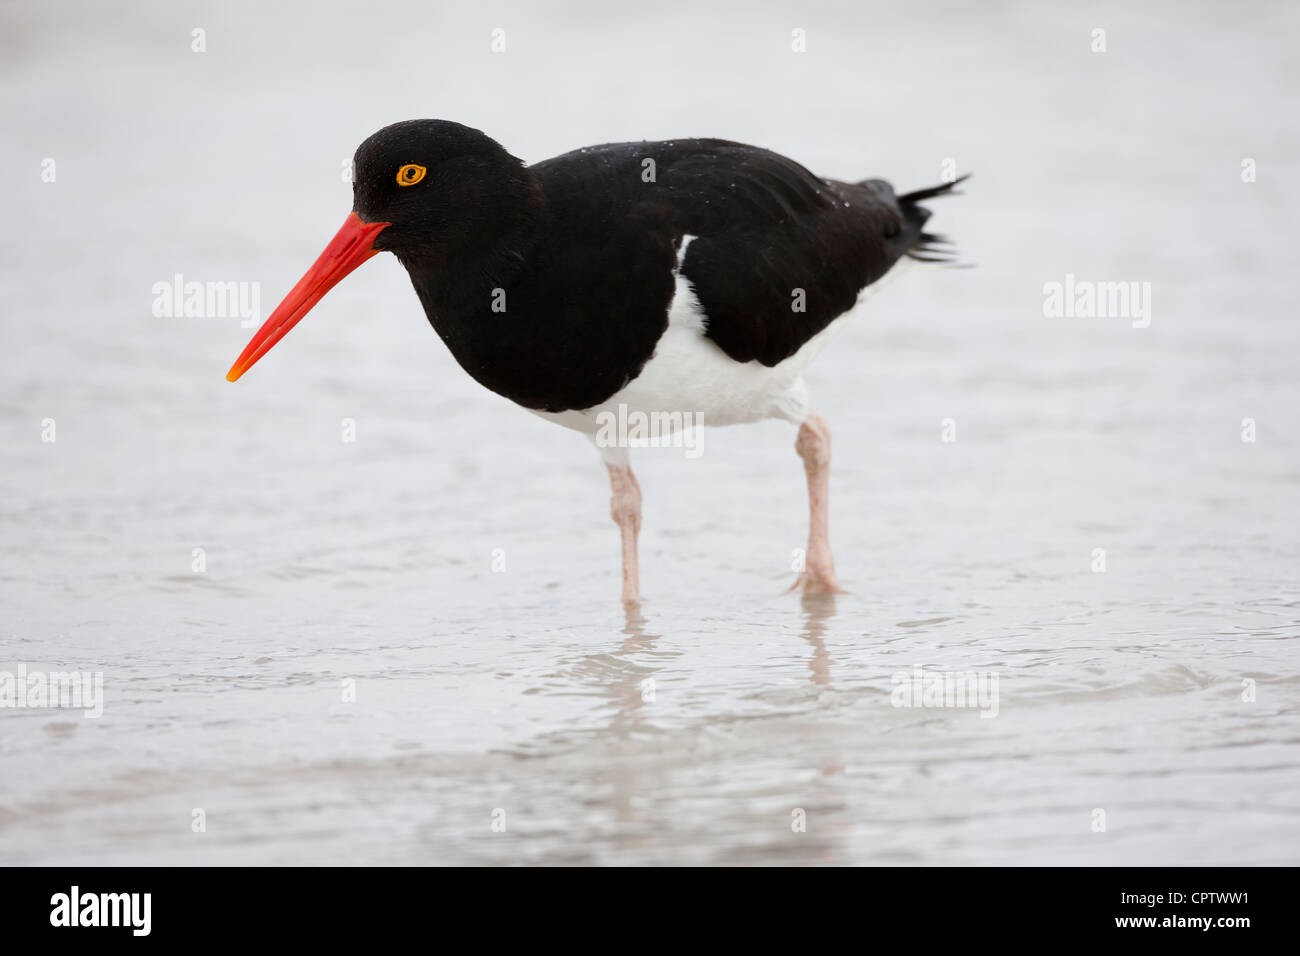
[779, 252]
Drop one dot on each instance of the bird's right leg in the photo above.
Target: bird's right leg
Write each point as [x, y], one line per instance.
[814, 447]
[625, 509]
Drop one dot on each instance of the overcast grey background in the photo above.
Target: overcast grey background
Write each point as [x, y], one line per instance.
[524, 691]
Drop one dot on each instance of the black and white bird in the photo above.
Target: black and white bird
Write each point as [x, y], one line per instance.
[693, 276]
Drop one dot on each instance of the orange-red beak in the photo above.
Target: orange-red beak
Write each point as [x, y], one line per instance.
[351, 246]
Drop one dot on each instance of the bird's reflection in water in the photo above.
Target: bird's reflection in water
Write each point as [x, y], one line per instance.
[626, 675]
[818, 609]
[827, 795]
[634, 623]
[631, 769]
[629, 682]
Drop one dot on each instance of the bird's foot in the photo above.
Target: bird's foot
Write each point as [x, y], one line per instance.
[817, 581]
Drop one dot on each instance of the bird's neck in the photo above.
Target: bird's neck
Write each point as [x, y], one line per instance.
[455, 277]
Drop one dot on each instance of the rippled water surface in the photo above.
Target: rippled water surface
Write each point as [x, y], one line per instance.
[1159, 694]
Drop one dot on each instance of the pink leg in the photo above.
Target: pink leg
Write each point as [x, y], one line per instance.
[625, 509]
[814, 447]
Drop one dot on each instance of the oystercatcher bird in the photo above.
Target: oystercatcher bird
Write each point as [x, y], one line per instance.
[692, 280]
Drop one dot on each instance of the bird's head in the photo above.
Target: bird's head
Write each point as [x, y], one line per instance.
[426, 190]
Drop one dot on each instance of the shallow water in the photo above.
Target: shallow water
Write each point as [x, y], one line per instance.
[696, 730]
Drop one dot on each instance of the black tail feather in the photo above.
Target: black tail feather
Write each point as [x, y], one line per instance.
[929, 246]
[940, 190]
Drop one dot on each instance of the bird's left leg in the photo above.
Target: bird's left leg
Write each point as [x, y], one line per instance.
[625, 509]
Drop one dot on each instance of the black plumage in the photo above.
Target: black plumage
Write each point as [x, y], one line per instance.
[551, 284]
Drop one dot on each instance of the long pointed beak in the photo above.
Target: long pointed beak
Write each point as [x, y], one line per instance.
[351, 246]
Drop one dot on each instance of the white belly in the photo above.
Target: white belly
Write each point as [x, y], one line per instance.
[689, 375]
[688, 378]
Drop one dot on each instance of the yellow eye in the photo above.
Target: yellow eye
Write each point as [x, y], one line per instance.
[410, 174]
